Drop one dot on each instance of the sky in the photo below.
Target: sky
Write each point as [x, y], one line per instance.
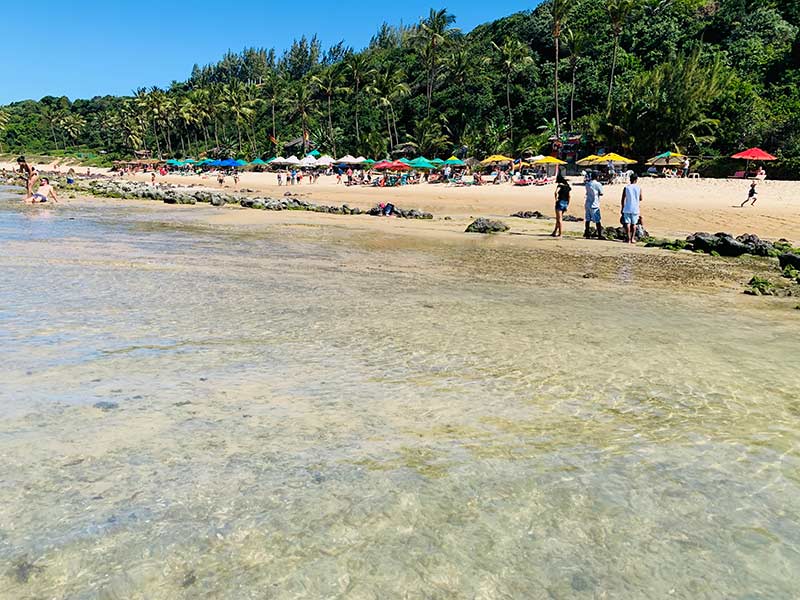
[86, 48]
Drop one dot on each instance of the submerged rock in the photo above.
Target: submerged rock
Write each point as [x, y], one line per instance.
[106, 406]
[789, 260]
[483, 225]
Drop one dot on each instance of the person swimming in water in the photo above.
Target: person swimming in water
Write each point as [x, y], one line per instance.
[44, 192]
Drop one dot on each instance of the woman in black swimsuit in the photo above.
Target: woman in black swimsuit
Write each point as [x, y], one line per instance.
[562, 203]
[29, 173]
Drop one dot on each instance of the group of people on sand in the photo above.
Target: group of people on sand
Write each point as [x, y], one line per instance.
[44, 192]
[630, 206]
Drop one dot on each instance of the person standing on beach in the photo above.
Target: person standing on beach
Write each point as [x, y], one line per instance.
[686, 165]
[752, 195]
[594, 190]
[629, 207]
[29, 173]
[562, 204]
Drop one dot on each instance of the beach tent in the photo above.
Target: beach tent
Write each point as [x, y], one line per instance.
[348, 160]
[496, 158]
[292, 160]
[325, 161]
[217, 163]
[667, 159]
[240, 163]
[258, 163]
[396, 165]
[422, 163]
[369, 162]
[360, 160]
[438, 161]
[174, 163]
[405, 161]
[279, 161]
[453, 162]
[308, 161]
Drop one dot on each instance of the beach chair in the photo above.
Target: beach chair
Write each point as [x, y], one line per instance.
[738, 175]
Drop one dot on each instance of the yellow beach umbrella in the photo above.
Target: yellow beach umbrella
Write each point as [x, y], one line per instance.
[614, 158]
[549, 160]
[496, 158]
[587, 160]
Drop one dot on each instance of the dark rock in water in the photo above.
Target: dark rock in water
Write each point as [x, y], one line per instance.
[217, 201]
[483, 225]
[590, 276]
[529, 214]
[106, 406]
[789, 260]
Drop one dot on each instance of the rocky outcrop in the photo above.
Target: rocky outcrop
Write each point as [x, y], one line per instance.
[790, 259]
[725, 244]
[483, 225]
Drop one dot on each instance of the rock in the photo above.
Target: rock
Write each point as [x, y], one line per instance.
[106, 406]
[572, 219]
[705, 242]
[789, 260]
[730, 246]
[483, 225]
[756, 245]
[217, 201]
[529, 214]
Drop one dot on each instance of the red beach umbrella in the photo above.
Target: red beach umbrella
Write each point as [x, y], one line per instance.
[382, 165]
[754, 154]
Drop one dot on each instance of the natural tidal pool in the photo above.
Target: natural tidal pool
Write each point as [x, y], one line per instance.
[316, 413]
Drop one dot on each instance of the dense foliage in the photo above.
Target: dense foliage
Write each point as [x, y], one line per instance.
[708, 77]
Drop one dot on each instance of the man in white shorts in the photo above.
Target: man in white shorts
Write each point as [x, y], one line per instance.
[631, 197]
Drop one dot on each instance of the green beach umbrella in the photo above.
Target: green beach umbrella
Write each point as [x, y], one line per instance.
[421, 163]
[438, 162]
[315, 153]
[454, 162]
[258, 162]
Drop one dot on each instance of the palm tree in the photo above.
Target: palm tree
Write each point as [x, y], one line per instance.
[576, 41]
[514, 55]
[236, 100]
[359, 69]
[428, 137]
[618, 12]
[559, 9]
[73, 125]
[188, 116]
[388, 86]
[435, 32]
[329, 83]
[275, 91]
[303, 105]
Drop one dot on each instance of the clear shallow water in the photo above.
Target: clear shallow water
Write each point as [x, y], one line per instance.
[315, 414]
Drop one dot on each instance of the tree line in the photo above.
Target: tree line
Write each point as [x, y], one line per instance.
[706, 77]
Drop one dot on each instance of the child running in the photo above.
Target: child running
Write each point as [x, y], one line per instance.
[752, 195]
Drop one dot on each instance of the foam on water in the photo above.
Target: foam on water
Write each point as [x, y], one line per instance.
[313, 415]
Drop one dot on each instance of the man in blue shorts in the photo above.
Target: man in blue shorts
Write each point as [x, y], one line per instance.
[631, 197]
[594, 190]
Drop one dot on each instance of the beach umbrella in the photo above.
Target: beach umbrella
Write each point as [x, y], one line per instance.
[279, 161]
[369, 162]
[217, 163]
[347, 160]
[382, 165]
[292, 160]
[308, 161]
[324, 161]
[189, 161]
[666, 159]
[454, 162]
[614, 158]
[174, 163]
[258, 163]
[496, 158]
[240, 163]
[315, 153]
[396, 165]
[754, 154]
[438, 161]
[549, 160]
[421, 163]
[587, 160]
[405, 161]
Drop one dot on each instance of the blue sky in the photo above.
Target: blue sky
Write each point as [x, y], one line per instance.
[86, 48]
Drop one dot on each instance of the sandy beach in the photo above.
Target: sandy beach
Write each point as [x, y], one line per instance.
[671, 207]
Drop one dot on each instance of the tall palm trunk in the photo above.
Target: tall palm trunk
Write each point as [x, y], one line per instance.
[508, 104]
[330, 125]
[572, 96]
[274, 129]
[389, 130]
[239, 134]
[356, 99]
[158, 144]
[613, 69]
[558, 110]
